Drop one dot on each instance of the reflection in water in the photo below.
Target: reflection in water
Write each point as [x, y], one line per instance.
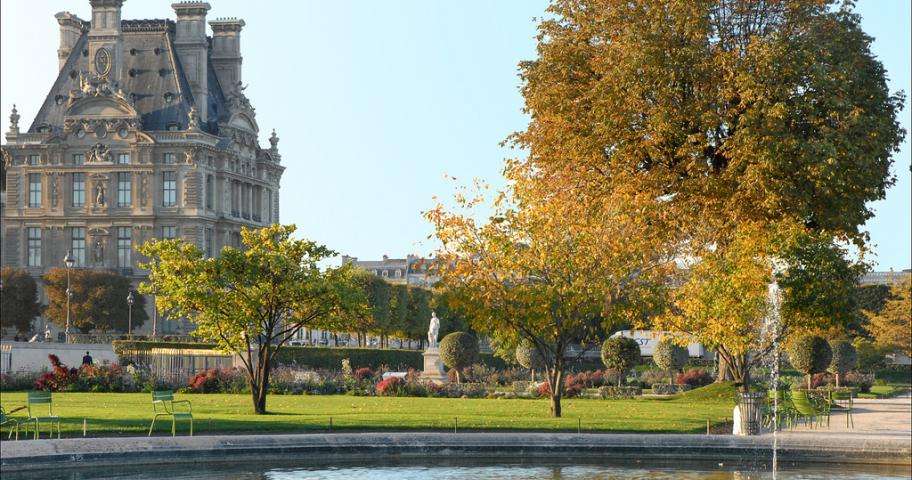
[455, 471]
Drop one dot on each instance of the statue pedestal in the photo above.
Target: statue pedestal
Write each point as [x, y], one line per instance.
[433, 366]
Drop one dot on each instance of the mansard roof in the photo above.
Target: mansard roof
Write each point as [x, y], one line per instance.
[152, 79]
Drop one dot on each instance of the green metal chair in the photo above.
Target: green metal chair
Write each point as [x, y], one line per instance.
[786, 411]
[34, 403]
[13, 423]
[809, 410]
[163, 405]
[844, 398]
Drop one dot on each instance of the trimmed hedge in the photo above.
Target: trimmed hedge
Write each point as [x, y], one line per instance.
[320, 357]
[669, 388]
[619, 392]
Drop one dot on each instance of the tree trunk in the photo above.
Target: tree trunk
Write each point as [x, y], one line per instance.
[458, 376]
[837, 379]
[555, 379]
[809, 380]
[259, 391]
[725, 372]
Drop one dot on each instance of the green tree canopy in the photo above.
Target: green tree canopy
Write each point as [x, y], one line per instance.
[99, 300]
[459, 350]
[621, 354]
[19, 299]
[810, 354]
[251, 301]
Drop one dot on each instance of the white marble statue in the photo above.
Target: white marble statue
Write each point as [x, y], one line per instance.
[433, 330]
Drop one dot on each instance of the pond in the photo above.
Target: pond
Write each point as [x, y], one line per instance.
[468, 469]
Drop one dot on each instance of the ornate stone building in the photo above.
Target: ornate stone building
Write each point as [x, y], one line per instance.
[145, 133]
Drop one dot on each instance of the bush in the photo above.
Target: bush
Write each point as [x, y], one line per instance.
[862, 381]
[668, 356]
[58, 379]
[214, 380]
[15, 381]
[870, 357]
[363, 373]
[391, 387]
[620, 354]
[607, 392]
[669, 389]
[458, 350]
[844, 358]
[522, 387]
[650, 377]
[694, 378]
[527, 356]
[810, 354]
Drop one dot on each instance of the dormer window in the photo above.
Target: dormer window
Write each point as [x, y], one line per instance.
[169, 97]
[173, 127]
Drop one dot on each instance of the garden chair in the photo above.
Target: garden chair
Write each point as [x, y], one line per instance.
[786, 411]
[163, 405]
[5, 419]
[844, 399]
[809, 410]
[34, 404]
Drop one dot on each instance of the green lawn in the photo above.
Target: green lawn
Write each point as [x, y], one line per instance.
[130, 413]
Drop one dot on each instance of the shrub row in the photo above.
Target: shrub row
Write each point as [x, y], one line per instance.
[619, 392]
[669, 389]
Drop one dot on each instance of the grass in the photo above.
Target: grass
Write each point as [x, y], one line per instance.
[108, 414]
[885, 391]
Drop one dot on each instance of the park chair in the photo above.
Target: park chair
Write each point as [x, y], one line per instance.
[34, 404]
[809, 410]
[787, 414]
[163, 405]
[13, 423]
[844, 398]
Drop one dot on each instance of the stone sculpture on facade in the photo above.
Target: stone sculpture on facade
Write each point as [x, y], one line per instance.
[100, 194]
[99, 153]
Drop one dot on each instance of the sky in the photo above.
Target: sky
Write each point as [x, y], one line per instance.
[377, 103]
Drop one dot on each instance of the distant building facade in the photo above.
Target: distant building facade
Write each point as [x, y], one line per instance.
[884, 278]
[146, 133]
[411, 270]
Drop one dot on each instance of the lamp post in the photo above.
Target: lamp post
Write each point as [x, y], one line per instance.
[130, 314]
[69, 262]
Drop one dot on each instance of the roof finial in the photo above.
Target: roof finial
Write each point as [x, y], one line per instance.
[274, 141]
[14, 120]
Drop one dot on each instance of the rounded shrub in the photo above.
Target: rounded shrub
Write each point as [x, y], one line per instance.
[528, 357]
[668, 356]
[844, 358]
[458, 350]
[810, 354]
[620, 354]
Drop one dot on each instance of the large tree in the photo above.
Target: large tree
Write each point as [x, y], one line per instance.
[892, 326]
[730, 111]
[733, 116]
[553, 273]
[99, 300]
[251, 301]
[19, 299]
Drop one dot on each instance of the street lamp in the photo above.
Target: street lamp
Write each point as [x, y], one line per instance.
[69, 262]
[130, 314]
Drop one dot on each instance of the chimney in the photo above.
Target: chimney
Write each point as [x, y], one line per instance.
[70, 30]
[226, 52]
[192, 50]
[105, 42]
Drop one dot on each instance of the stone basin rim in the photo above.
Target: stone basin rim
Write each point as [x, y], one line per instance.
[88, 452]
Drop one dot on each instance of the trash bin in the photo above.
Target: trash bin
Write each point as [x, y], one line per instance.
[751, 408]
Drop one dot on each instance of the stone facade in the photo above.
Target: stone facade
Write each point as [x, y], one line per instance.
[146, 133]
[411, 270]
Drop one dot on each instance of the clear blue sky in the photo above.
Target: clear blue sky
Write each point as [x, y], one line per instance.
[375, 101]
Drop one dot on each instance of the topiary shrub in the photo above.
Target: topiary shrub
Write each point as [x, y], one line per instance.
[669, 357]
[620, 354]
[810, 354]
[528, 357]
[844, 359]
[458, 350]
[871, 357]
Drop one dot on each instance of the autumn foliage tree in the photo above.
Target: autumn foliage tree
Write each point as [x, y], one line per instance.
[251, 301]
[19, 299]
[892, 326]
[739, 118]
[99, 300]
[551, 273]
